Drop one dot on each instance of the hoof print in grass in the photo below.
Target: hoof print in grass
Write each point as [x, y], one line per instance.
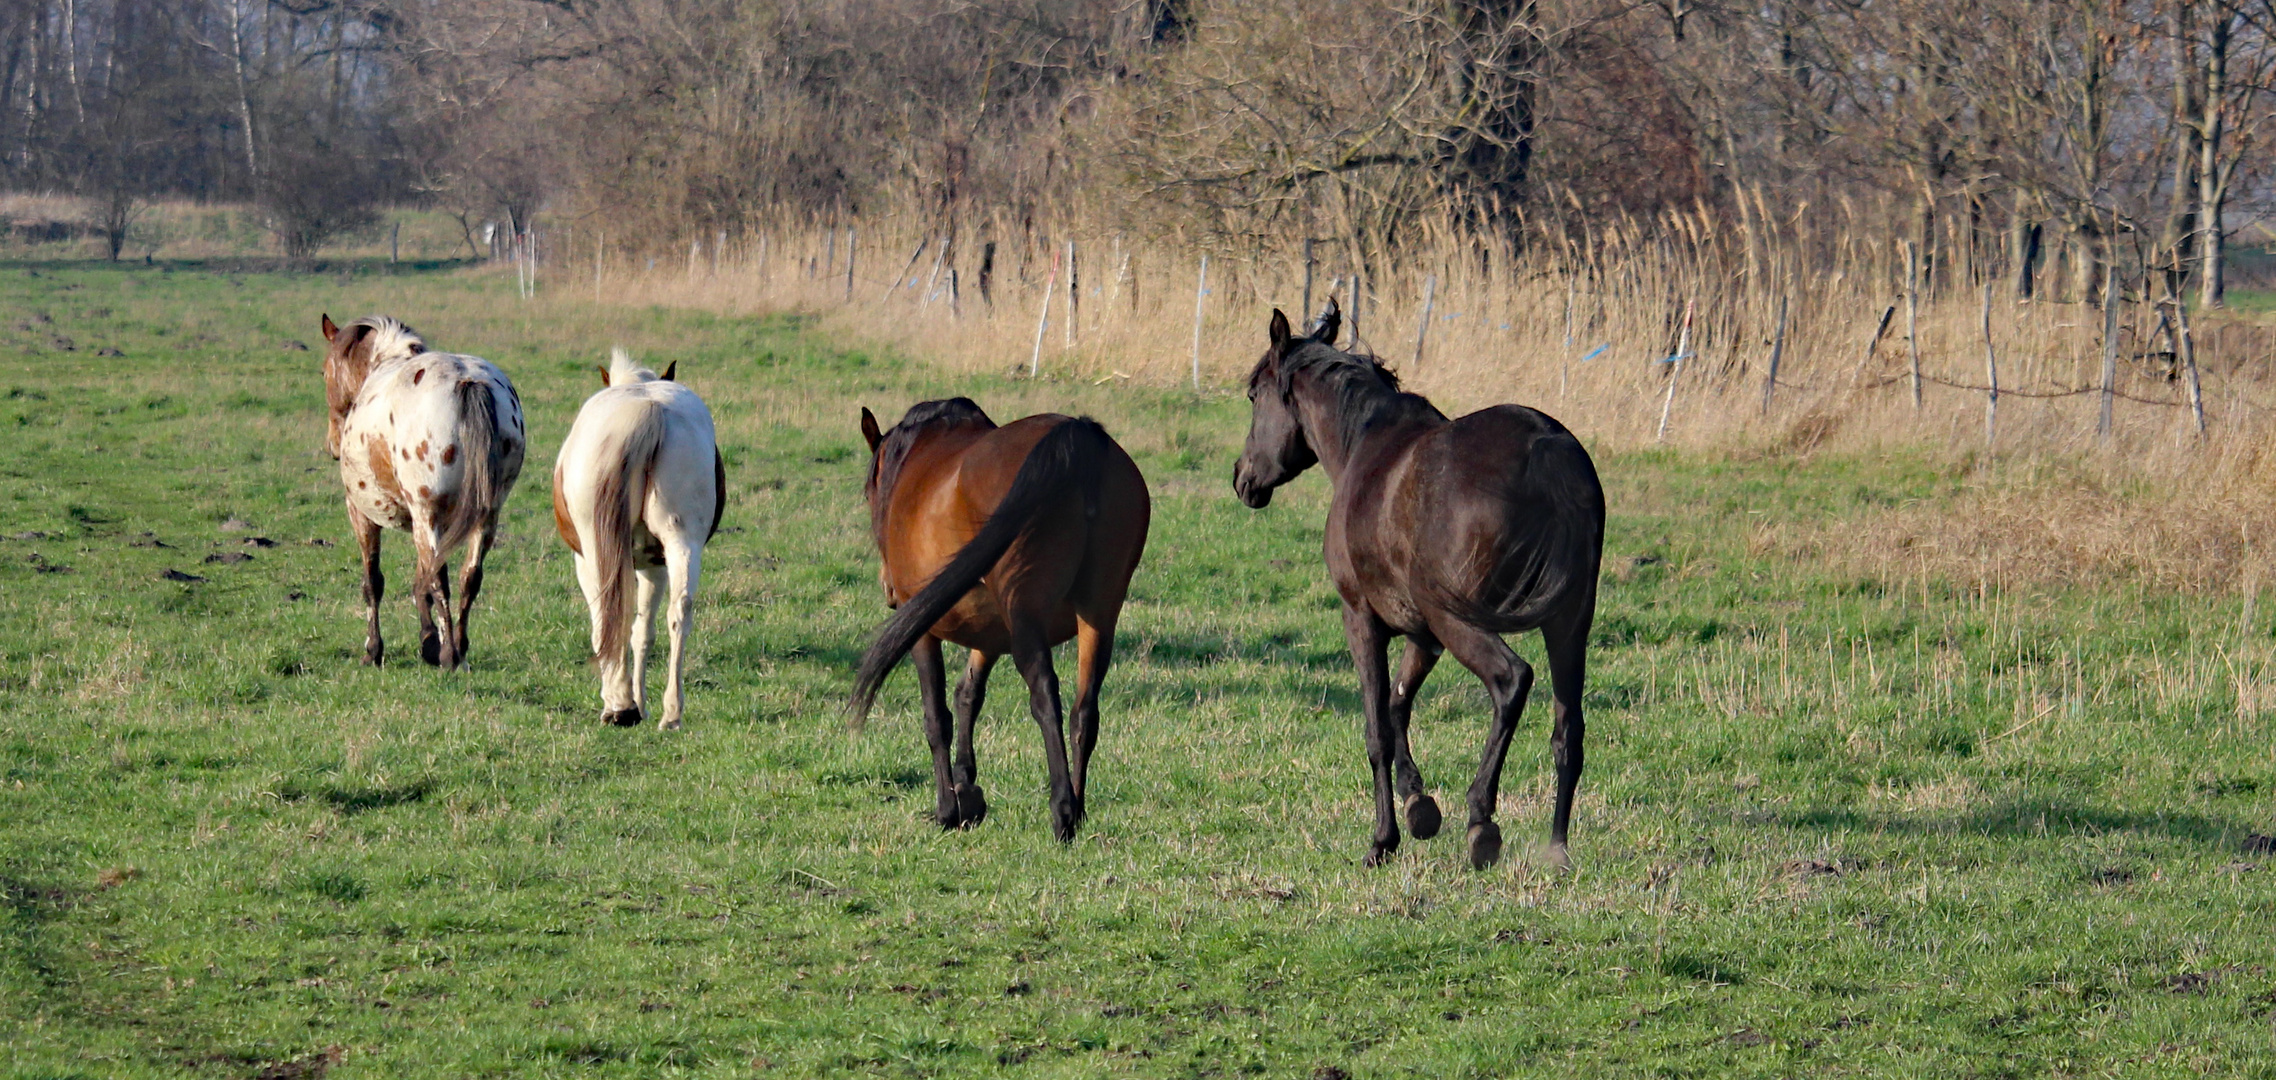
[109, 350]
[2257, 844]
[176, 575]
[229, 557]
[295, 346]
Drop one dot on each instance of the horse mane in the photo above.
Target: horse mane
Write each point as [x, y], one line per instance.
[1365, 392]
[893, 448]
[390, 339]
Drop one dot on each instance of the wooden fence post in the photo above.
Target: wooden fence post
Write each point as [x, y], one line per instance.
[1043, 319]
[1422, 328]
[1912, 316]
[1200, 290]
[1777, 351]
[1307, 308]
[2102, 427]
[2188, 357]
[851, 236]
[1991, 373]
[599, 246]
[1074, 294]
[1682, 347]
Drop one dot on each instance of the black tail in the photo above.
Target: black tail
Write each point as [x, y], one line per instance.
[1070, 455]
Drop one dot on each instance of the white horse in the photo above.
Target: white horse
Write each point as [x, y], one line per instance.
[430, 443]
[637, 492]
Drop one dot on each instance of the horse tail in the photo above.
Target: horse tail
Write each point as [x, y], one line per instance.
[483, 485]
[617, 508]
[1069, 456]
[1563, 558]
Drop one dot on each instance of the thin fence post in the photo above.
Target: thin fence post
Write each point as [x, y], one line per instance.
[1682, 346]
[1880, 330]
[1991, 374]
[695, 253]
[1200, 290]
[395, 242]
[1358, 293]
[1565, 358]
[718, 248]
[2102, 428]
[1074, 294]
[851, 237]
[1422, 328]
[940, 255]
[1777, 352]
[599, 245]
[1912, 317]
[1043, 319]
[955, 307]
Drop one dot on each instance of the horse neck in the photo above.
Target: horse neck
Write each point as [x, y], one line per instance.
[1334, 408]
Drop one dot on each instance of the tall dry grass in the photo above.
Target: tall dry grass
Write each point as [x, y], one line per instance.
[1589, 331]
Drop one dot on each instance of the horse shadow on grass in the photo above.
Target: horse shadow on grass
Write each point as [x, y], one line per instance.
[2026, 815]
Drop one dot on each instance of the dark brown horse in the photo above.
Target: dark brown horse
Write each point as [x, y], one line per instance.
[1450, 532]
[1003, 540]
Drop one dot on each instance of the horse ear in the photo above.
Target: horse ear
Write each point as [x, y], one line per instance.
[1279, 330]
[330, 329]
[1324, 328]
[869, 429]
[670, 370]
[604, 375]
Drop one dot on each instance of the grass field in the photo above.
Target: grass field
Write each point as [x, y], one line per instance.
[1831, 824]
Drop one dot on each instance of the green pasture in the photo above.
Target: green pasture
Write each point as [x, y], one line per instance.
[1830, 825]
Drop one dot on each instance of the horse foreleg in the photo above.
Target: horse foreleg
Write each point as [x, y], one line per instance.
[1422, 810]
[1508, 679]
[971, 693]
[367, 540]
[1567, 646]
[649, 587]
[1094, 653]
[470, 581]
[932, 687]
[684, 565]
[1369, 638]
[1032, 654]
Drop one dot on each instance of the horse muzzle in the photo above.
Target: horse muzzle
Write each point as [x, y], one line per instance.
[1253, 495]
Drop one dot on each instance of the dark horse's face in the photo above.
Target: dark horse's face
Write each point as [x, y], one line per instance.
[1277, 449]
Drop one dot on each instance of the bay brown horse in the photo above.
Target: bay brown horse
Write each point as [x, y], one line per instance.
[1003, 540]
[1449, 532]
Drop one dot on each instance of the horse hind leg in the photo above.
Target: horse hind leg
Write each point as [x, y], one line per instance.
[1567, 645]
[375, 583]
[1094, 654]
[1031, 652]
[617, 705]
[649, 588]
[971, 693]
[429, 585]
[1508, 679]
[1423, 819]
[932, 686]
[683, 567]
[470, 581]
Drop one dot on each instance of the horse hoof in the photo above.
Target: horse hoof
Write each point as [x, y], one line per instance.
[971, 805]
[1558, 857]
[670, 723]
[1485, 845]
[1379, 854]
[1422, 816]
[622, 717]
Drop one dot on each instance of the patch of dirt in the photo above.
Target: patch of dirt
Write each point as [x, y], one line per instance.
[148, 540]
[236, 524]
[2192, 982]
[40, 565]
[2257, 844]
[259, 542]
[117, 876]
[176, 575]
[2111, 876]
[305, 1067]
[229, 557]
[1810, 868]
[1747, 1037]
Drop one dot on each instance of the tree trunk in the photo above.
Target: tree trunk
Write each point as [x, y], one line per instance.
[2212, 183]
[1488, 155]
[2181, 220]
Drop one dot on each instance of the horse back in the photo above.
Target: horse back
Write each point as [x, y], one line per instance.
[1507, 518]
[409, 444]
